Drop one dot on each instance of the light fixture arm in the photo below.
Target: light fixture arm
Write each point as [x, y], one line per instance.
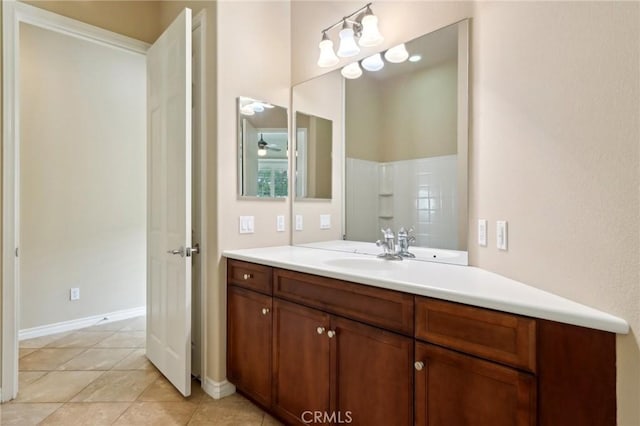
[357, 26]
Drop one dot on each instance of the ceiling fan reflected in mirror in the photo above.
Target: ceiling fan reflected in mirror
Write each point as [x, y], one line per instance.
[263, 146]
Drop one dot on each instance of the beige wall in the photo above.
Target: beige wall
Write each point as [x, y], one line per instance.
[403, 117]
[83, 178]
[317, 97]
[251, 36]
[554, 143]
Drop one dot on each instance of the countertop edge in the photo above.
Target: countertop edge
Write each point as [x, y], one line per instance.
[595, 319]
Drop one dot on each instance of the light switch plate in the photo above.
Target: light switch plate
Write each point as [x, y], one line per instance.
[299, 222]
[482, 232]
[325, 221]
[280, 225]
[74, 293]
[501, 234]
[247, 224]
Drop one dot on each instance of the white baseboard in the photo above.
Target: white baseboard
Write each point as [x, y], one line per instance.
[218, 390]
[59, 327]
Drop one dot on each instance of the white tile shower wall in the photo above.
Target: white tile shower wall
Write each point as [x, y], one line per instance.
[362, 200]
[378, 195]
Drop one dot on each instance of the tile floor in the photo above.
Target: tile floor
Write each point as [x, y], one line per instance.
[100, 376]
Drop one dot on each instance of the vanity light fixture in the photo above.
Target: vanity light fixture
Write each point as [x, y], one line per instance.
[327, 57]
[397, 54]
[362, 24]
[351, 71]
[373, 63]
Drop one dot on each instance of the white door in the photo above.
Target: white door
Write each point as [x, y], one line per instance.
[169, 203]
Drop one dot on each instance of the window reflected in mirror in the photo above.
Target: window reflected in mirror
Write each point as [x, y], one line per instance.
[263, 148]
[314, 137]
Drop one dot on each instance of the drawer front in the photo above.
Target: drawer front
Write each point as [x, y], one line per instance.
[497, 336]
[387, 309]
[249, 275]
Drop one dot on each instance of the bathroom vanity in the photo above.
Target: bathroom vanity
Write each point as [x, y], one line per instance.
[370, 341]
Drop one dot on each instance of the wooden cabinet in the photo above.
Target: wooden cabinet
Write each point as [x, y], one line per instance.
[249, 322]
[456, 389]
[300, 361]
[304, 346]
[350, 371]
[372, 374]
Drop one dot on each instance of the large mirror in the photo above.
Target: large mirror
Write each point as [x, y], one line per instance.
[406, 143]
[263, 147]
[314, 138]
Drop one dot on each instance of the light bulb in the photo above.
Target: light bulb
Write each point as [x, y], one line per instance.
[348, 46]
[397, 54]
[373, 63]
[262, 152]
[351, 71]
[415, 58]
[370, 33]
[327, 57]
[257, 106]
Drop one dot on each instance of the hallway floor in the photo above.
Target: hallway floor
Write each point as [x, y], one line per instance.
[100, 376]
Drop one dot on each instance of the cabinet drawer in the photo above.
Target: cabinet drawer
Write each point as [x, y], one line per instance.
[384, 308]
[497, 336]
[250, 275]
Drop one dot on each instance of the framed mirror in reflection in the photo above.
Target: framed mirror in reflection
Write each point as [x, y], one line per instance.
[406, 144]
[263, 147]
[314, 138]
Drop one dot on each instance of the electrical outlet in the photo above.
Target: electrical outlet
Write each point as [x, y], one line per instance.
[299, 222]
[280, 226]
[325, 221]
[482, 232]
[501, 234]
[74, 293]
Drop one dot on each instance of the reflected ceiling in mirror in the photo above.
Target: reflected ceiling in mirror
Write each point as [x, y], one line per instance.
[263, 147]
[406, 144]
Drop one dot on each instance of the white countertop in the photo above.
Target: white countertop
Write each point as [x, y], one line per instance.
[463, 284]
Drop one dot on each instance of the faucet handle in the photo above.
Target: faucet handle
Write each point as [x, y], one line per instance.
[388, 233]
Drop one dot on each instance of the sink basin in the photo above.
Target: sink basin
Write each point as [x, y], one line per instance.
[364, 263]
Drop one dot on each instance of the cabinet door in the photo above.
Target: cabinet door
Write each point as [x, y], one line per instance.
[372, 380]
[456, 389]
[300, 362]
[249, 322]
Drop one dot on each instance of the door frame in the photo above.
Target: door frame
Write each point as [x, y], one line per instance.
[13, 14]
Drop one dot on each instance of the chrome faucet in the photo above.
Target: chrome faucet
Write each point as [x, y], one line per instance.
[389, 245]
[404, 241]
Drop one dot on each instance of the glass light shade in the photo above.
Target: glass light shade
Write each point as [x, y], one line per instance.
[370, 33]
[373, 63]
[327, 57]
[257, 106]
[262, 152]
[247, 110]
[397, 54]
[348, 46]
[351, 71]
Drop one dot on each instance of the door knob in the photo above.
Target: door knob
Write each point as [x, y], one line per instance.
[320, 330]
[419, 365]
[180, 251]
[331, 334]
[265, 311]
[193, 250]
[246, 276]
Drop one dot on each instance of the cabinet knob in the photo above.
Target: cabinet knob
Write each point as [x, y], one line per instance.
[247, 276]
[265, 311]
[331, 334]
[320, 330]
[419, 365]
